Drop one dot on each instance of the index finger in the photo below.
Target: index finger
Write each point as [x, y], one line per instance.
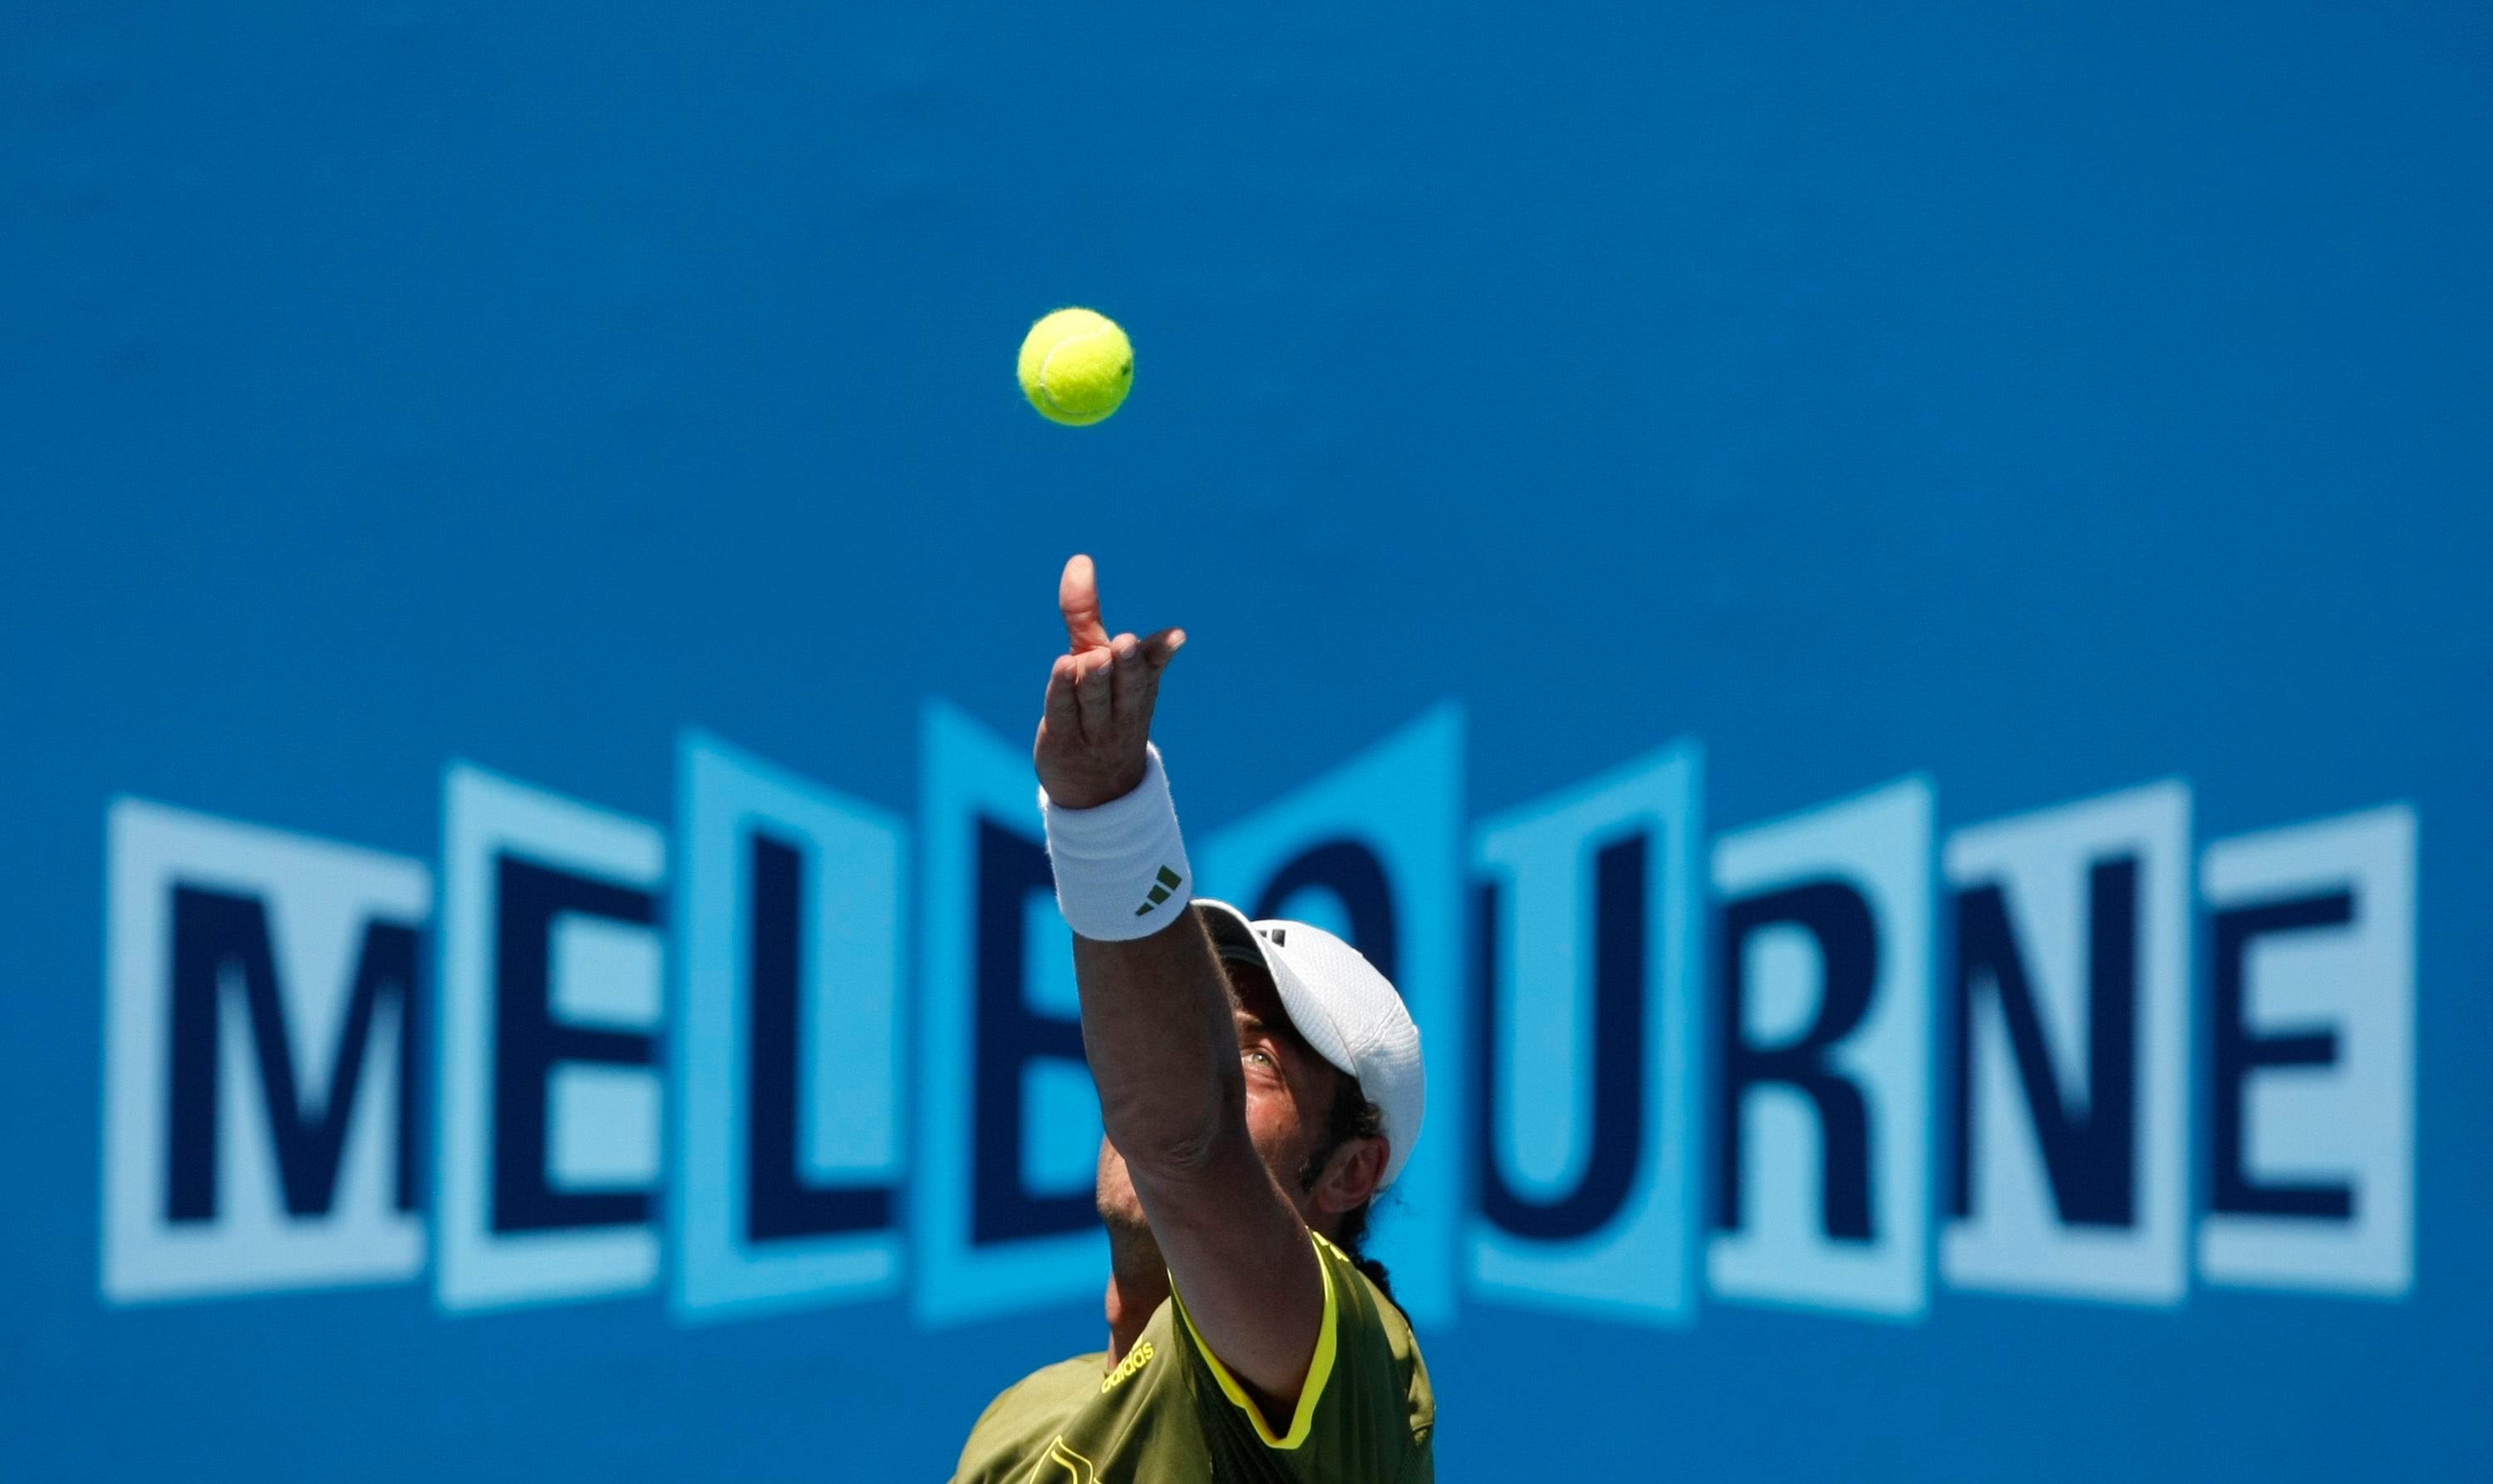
[1077, 595]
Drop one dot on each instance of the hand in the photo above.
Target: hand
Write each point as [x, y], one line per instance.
[1094, 738]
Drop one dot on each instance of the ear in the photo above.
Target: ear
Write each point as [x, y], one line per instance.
[1350, 1176]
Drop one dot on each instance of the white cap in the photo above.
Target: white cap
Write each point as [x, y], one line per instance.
[1343, 1008]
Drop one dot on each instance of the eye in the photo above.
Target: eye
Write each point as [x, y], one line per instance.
[1258, 1054]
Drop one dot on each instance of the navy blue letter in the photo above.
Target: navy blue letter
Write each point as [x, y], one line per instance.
[2239, 1052]
[779, 1204]
[1835, 914]
[2090, 1153]
[1617, 1133]
[528, 1043]
[1012, 868]
[214, 932]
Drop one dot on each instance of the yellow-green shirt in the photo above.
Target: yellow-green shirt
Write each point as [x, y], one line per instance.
[1171, 1412]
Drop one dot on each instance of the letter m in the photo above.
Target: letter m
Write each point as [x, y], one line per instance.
[260, 1051]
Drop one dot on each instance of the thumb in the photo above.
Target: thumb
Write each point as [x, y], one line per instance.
[1077, 595]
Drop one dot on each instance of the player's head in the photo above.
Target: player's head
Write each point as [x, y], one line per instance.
[1335, 1089]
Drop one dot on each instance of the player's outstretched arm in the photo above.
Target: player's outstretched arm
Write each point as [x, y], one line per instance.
[1164, 1044]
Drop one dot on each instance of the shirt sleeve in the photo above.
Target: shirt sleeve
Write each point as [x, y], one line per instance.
[1301, 1420]
[1364, 1413]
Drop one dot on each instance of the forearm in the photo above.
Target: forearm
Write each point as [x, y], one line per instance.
[1156, 1012]
[1156, 1027]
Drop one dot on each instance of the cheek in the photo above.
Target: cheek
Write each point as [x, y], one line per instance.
[1273, 1123]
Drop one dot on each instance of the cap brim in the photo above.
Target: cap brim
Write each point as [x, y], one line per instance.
[1233, 937]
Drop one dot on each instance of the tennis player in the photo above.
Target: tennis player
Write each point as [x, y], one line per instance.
[1260, 1083]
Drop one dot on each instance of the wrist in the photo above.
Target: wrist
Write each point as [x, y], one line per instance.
[1087, 789]
[1120, 864]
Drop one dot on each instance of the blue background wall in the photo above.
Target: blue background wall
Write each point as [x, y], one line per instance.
[2049, 400]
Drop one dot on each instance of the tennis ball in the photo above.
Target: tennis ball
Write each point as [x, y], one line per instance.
[1076, 367]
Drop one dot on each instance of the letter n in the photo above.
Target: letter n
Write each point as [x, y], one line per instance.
[2070, 1173]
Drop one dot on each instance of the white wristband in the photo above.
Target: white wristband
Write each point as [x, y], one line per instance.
[1120, 869]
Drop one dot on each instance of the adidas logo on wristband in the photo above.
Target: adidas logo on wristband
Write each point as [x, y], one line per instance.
[1169, 881]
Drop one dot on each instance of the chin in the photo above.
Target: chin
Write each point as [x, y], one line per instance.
[1124, 1218]
[1120, 1208]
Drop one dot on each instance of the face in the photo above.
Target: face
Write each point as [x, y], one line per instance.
[1290, 1094]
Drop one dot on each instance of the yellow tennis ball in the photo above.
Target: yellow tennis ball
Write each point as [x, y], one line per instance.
[1076, 367]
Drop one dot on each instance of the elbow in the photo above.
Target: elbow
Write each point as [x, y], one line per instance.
[1188, 1162]
[1175, 1158]
[1162, 1149]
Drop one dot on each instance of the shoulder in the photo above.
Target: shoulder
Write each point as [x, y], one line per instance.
[1034, 1405]
[1048, 1384]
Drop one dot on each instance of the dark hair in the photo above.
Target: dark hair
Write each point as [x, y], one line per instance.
[1352, 1116]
